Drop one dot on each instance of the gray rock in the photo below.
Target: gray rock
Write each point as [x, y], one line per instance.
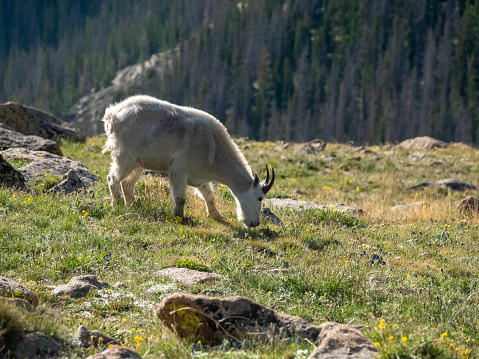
[44, 162]
[425, 142]
[37, 346]
[188, 276]
[80, 286]
[70, 183]
[469, 205]
[10, 287]
[9, 176]
[449, 183]
[312, 147]
[212, 320]
[119, 285]
[409, 206]
[300, 206]
[92, 338]
[342, 341]
[12, 139]
[116, 352]
[31, 121]
[271, 217]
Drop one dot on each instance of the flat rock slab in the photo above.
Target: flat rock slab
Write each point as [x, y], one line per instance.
[410, 206]
[213, 320]
[9, 176]
[450, 183]
[188, 276]
[10, 287]
[44, 162]
[424, 142]
[31, 121]
[116, 352]
[92, 338]
[37, 345]
[300, 206]
[80, 286]
[13, 139]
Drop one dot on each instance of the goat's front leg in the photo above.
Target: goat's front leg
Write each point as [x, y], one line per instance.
[178, 188]
[206, 191]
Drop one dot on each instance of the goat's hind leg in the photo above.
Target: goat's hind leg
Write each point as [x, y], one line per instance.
[206, 192]
[117, 174]
[128, 185]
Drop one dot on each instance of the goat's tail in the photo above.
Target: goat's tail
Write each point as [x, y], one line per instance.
[108, 122]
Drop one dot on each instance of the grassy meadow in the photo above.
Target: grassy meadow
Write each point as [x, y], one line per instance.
[410, 276]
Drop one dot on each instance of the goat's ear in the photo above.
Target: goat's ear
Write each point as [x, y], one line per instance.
[256, 180]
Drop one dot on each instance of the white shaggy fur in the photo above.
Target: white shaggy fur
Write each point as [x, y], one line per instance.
[191, 145]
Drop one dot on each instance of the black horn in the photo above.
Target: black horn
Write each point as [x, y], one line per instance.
[267, 185]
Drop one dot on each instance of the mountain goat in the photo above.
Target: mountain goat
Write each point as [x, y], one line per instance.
[192, 146]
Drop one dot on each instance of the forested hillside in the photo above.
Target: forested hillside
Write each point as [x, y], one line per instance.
[368, 70]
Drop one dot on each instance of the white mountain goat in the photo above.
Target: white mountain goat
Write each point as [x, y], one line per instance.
[191, 145]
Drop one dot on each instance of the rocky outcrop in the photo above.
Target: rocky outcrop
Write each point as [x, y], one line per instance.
[12, 288]
[47, 163]
[31, 121]
[9, 176]
[425, 143]
[87, 112]
[80, 286]
[188, 276]
[212, 320]
[312, 147]
[13, 139]
[116, 352]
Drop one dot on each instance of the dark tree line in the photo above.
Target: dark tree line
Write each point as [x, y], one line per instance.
[368, 70]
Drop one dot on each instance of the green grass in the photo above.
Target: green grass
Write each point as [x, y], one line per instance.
[409, 275]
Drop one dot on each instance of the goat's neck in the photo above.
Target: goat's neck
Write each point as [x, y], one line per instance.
[235, 175]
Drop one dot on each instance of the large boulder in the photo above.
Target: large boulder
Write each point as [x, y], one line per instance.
[80, 286]
[47, 163]
[10, 138]
[212, 320]
[9, 176]
[12, 288]
[70, 183]
[424, 143]
[450, 184]
[31, 121]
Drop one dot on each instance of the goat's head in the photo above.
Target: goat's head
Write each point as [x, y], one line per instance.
[248, 204]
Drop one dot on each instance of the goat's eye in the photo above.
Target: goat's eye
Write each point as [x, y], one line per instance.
[260, 199]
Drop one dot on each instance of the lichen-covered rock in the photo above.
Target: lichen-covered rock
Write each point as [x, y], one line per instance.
[13, 139]
[300, 206]
[188, 276]
[92, 338]
[9, 176]
[212, 320]
[31, 121]
[116, 352]
[271, 217]
[48, 163]
[449, 183]
[37, 346]
[10, 287]
[80, 286]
